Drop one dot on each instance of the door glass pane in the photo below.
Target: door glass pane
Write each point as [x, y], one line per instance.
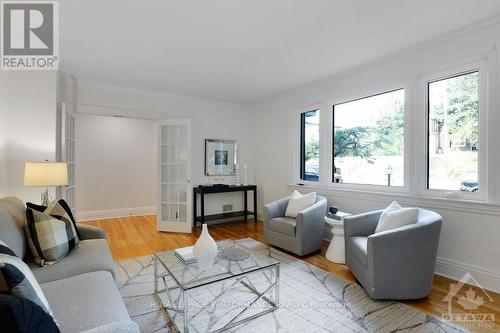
[182, 193]
[174, 193]
[174, 154]
[183, 153]
[165, 212]
[164, 154]
[454, 133]
[174, 213]
[173, 134]
[164, 134]
[182, 176]
[164, 193]
[174, 174]
[182, 134]
[182, 213]
[164, 174]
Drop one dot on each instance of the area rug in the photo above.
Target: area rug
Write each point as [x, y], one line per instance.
[311, 300]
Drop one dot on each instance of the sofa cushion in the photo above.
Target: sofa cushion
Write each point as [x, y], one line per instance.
[283, 225]
[358, 249]
[50, 238]
[85, 301]
[12, 222]
[92, 255]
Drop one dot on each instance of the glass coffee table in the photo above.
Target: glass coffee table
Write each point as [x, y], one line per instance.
[231, 293]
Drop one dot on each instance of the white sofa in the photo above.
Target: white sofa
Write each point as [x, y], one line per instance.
[80, 288]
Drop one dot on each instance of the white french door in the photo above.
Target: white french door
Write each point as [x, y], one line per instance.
[68, 153]
[175, 191]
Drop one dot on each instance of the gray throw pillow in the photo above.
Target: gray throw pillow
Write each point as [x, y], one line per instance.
[17, 279]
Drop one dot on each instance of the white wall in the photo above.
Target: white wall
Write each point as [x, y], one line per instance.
[28, 113]
[470, 232]
[115, 166]
[210, 120]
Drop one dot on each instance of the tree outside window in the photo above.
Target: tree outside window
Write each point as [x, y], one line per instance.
[368, 140]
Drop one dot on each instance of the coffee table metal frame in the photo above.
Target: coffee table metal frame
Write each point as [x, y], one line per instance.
[238, 277]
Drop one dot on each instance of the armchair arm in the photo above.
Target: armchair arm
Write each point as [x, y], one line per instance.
[361, 224]
[90, 232]
[313, 212]
[275, 209]
[311, 221]
[271, 210]
[404, 257]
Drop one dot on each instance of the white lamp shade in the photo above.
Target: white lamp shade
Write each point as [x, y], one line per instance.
[45, 174]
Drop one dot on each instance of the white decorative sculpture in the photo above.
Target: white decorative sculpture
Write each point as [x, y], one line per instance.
[237, 174]
[205, 249]
[245, 174]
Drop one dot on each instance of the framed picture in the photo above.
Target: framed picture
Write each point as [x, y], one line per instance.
[220, 157]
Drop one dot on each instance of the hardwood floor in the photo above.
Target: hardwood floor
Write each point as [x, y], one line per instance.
[138, 236]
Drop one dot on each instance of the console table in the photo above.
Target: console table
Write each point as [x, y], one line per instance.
[204, 190]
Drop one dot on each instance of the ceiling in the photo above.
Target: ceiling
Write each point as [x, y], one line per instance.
[245, 51]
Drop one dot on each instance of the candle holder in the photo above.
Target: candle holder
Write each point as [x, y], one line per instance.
[245, 175]
[237, 174]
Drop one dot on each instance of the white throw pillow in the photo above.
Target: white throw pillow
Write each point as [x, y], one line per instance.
[299, 202]
[396, 218]
[393, 206]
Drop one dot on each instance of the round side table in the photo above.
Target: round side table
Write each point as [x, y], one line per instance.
[336, 249]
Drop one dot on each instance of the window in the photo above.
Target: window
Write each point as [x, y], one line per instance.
[368, 140]
[309, 145]
[453, 133]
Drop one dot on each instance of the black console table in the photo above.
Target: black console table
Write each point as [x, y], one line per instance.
[202, 191]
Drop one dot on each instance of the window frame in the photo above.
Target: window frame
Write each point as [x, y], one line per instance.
[303, 147]
[423, 183]
[296, 156]
[405, 86]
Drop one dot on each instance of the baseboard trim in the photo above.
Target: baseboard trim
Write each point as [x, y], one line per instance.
[114, 213]
[455, 270]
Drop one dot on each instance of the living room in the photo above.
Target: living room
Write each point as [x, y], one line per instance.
[286, 131]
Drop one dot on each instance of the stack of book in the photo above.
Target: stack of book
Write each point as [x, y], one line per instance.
[185, 254]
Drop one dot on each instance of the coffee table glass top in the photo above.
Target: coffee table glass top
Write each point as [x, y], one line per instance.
[188, 276]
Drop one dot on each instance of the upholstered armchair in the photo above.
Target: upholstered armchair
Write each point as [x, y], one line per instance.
[302, 235]
[393, 264]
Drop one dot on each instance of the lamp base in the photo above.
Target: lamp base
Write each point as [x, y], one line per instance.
[45, 198]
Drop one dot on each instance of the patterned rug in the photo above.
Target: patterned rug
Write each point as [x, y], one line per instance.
[311, 300]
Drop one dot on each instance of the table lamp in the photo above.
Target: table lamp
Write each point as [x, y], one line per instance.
[45, 174]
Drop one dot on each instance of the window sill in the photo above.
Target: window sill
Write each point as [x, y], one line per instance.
[455, 204]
